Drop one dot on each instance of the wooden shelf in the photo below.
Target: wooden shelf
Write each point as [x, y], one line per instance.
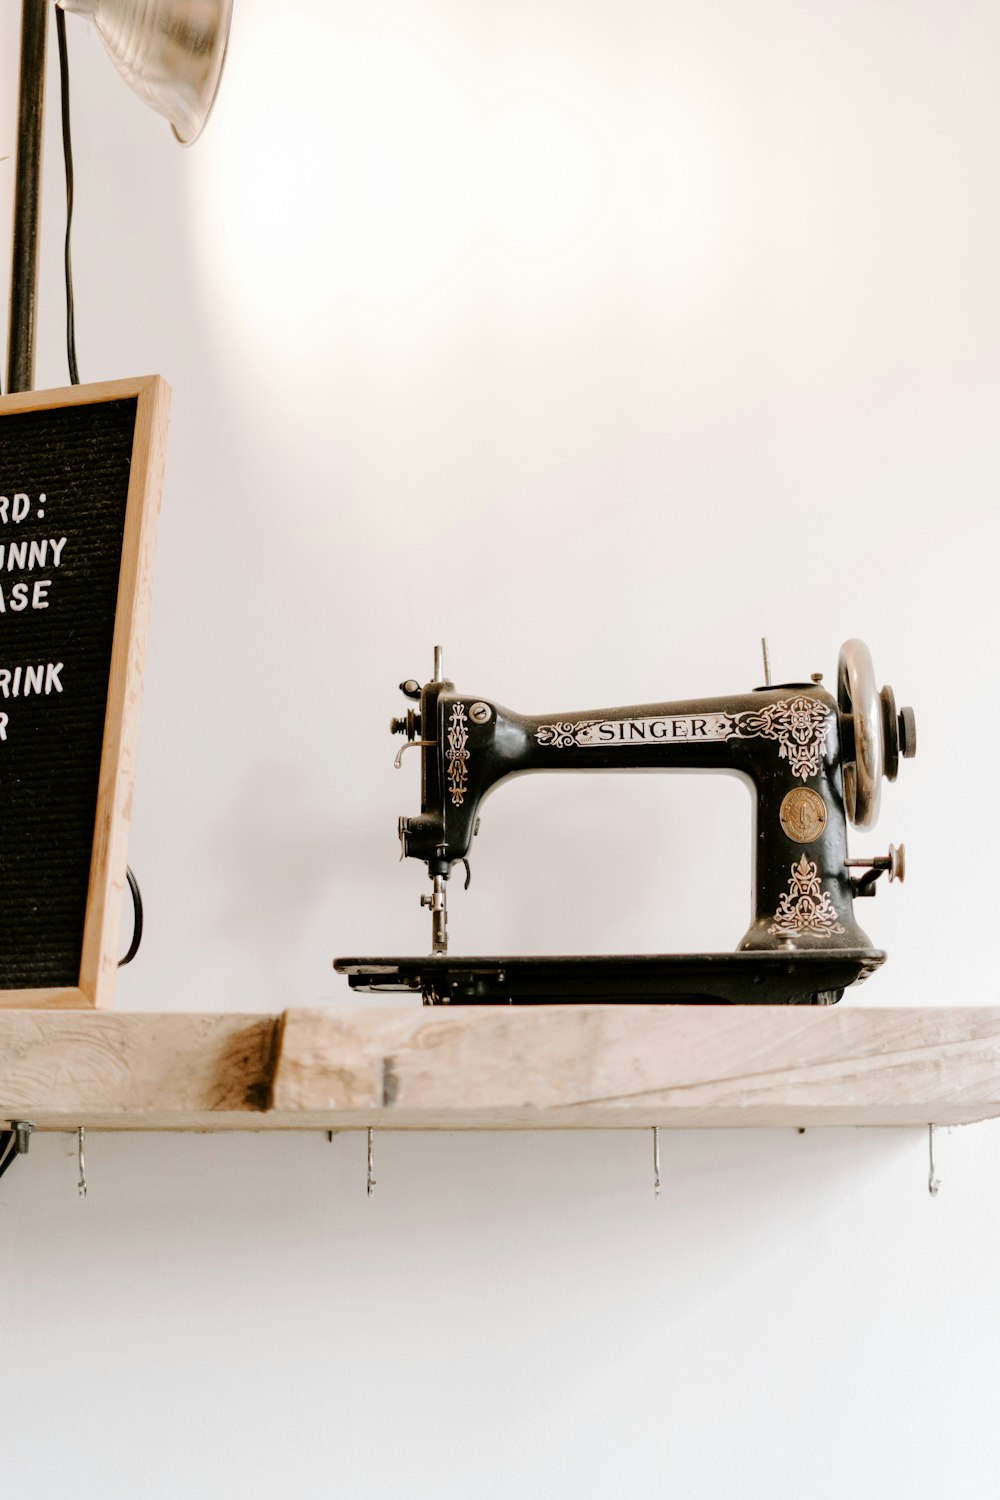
[549, 1067]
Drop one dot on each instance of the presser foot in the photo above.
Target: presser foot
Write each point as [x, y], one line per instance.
[438, 903]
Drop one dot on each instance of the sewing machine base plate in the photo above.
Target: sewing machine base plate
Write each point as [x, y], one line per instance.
[818, 977]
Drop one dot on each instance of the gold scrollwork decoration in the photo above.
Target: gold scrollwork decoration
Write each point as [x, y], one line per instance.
[800, 725]
[805, 910]
[563, 734]
[457, 755]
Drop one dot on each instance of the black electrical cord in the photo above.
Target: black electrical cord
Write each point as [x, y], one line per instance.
[8, 1149]
[74, 373]
[133, 949]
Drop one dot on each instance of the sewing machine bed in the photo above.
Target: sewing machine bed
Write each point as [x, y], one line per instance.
[814, 978]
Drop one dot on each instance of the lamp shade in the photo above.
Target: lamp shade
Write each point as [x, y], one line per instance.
[170, 52]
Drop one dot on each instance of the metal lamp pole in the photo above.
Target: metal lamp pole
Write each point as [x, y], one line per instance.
[27, 196]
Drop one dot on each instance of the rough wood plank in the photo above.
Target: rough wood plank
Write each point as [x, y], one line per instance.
[136, 1072]
[555, 1067]
[608, 1066]
[99, 957]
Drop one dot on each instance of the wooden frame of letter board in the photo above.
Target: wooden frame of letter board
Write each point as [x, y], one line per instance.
[101, 935]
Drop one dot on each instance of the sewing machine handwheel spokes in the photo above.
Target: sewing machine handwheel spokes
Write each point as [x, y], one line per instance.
[880, 733]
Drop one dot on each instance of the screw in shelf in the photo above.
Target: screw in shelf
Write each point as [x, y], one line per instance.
[933, 1182]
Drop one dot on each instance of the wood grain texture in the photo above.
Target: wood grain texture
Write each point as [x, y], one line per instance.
[551, 1067]
[136, 1072]
[99, 958]
[608, 1066]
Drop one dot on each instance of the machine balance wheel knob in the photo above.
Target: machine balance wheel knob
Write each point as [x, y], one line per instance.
[899, 733]
[907, 733]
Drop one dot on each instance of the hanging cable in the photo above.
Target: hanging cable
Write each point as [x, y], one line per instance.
[133, 947]
[74, 374]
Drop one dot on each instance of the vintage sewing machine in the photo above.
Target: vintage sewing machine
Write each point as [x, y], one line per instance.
[813, 763]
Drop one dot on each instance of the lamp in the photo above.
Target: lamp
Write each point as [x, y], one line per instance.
[169, 52]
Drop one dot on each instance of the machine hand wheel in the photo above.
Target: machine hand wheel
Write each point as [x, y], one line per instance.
[864, 766]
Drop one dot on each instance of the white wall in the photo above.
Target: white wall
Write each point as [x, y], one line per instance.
[593, 341]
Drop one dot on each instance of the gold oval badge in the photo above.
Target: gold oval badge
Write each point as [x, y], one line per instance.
[803, 815]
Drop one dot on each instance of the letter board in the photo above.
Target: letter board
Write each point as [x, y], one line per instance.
[81, 472]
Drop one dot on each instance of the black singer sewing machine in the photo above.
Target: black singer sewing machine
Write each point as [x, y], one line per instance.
[813, 763]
